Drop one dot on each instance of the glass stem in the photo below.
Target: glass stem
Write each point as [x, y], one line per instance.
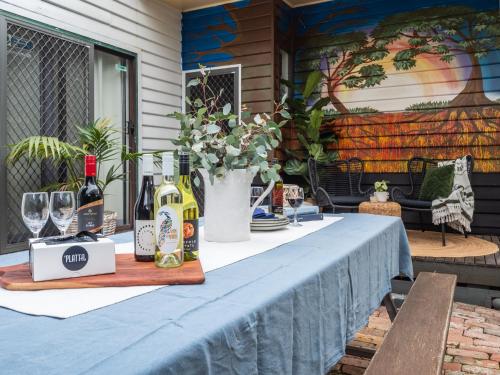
[294, 216]
[35, 235]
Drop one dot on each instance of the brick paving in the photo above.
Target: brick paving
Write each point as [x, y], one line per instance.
[473, 342]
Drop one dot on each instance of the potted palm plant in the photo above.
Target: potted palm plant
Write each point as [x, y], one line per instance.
[308, 116]
[98, 138]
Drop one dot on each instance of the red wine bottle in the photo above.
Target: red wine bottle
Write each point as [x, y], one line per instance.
[277, 194]
[90, 210]
[144, 228]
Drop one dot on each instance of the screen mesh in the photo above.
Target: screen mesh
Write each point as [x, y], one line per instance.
[47, 89]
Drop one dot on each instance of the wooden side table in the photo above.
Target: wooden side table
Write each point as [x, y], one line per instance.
[380, 208]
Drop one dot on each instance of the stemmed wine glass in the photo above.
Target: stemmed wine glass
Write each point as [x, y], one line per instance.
[35, 211]
[295, 198]
[62, 209]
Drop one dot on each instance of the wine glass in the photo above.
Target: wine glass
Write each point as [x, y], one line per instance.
[35, 211]
[295, 198]
[62, 209]
[256, 192]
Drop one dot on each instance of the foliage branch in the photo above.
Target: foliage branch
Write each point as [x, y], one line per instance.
[220, 142]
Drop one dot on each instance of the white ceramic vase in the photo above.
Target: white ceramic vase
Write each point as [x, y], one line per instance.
[382, 196]
[227, 206]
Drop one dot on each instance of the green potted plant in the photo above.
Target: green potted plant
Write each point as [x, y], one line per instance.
[308, 116]
[229, 152]
[98, 138]
[381, 190]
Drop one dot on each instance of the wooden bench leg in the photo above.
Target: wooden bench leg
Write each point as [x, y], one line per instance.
[443, 233]
[390, 307]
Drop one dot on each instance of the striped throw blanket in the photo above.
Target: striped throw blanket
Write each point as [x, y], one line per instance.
[457, 209]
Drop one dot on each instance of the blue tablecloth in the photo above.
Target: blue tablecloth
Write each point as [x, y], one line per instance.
[290, 310]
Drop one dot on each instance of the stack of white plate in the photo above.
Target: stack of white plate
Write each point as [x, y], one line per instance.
[279, 222]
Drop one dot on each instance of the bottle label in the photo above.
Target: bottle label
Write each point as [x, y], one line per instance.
[277, 200]
[145, 237]
[168, 229]
[191, 237]
[91, 216]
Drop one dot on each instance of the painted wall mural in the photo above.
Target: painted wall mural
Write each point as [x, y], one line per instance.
[406, 78]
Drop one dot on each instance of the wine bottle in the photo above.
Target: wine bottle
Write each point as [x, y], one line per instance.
[169, 250]
[144, 229]
[190, 210]
[277, 195]
[90, 210]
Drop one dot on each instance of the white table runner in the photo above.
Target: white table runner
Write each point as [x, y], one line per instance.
[64, 303]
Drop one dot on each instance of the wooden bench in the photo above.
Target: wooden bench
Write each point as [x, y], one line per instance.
[416, 342]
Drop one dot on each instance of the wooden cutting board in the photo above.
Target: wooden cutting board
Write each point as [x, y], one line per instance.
[128, 273]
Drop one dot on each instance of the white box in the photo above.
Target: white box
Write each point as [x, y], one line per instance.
[50, 261]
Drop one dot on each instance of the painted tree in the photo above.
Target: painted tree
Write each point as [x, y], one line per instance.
[348, 60]
[445, 31]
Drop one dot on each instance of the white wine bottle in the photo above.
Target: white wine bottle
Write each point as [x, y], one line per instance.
[169, 250]
[190, 210]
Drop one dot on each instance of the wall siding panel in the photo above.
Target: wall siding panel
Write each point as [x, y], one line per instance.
[149, 28]
[235, 33]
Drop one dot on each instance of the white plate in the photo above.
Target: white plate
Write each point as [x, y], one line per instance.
[260, 229]
[270, 224]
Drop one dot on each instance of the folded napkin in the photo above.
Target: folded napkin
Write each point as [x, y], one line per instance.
[307, 217]
[259, 213]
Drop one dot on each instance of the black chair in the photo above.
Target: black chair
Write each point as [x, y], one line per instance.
[338, 184]
[409, 200]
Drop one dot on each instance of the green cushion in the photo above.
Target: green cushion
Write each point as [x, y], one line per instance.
[438, 183]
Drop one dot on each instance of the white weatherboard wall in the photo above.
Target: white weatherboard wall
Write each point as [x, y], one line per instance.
[149, 28]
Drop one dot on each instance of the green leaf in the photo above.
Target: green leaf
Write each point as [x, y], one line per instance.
[193, 82]
[283, 99]
[233, 151]
[213, 129]
[295, 167]
[226, 109]
[303, 140]
[285, 114]
[212, 158]
[313, 80]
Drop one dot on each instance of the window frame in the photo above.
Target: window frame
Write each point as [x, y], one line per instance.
[223, 69]
[131, 129]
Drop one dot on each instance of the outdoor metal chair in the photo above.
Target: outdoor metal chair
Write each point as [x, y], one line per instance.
[409, 200]
[338, 184]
